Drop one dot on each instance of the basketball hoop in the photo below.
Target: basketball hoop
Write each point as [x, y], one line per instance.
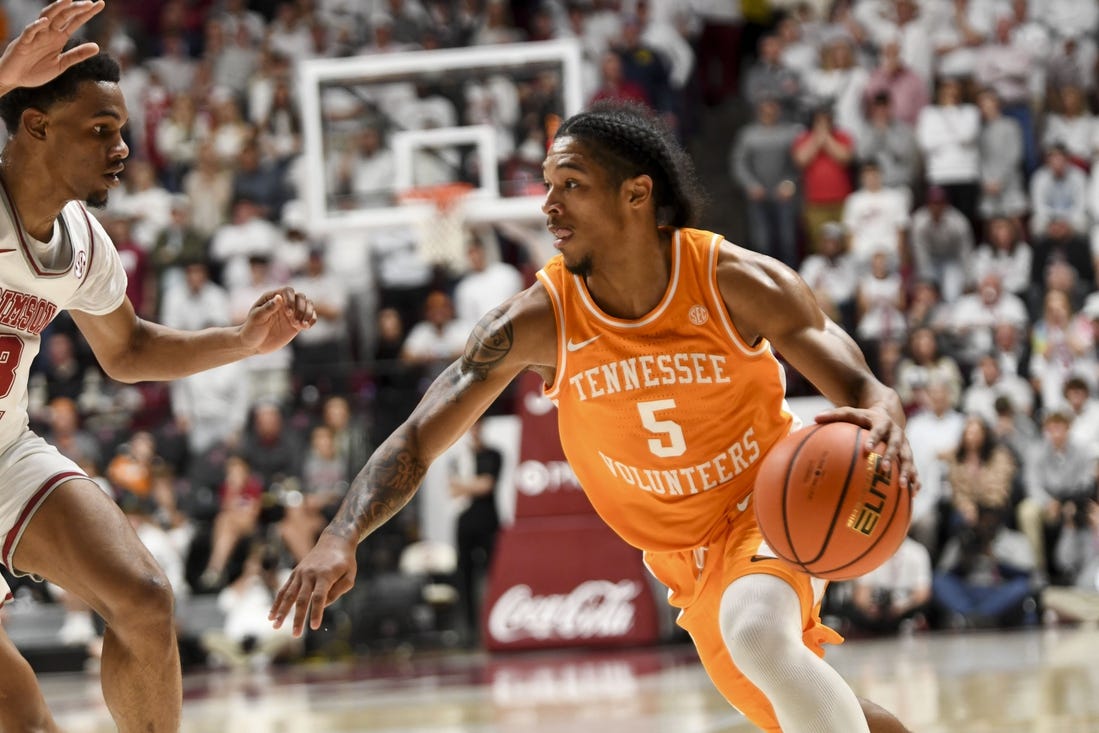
[442, 234]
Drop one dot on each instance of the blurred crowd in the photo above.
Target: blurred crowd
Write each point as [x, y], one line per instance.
[928, 168]
[926, 165]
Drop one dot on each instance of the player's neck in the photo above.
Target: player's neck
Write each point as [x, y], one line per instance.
[629, 281]
[34, 196]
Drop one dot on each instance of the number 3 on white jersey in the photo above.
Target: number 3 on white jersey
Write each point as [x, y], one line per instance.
[672, 443]
[11, 351]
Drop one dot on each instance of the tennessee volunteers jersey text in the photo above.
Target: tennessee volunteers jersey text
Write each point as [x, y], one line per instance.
[664, 419]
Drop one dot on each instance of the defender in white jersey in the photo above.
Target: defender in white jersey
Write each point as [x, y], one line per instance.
[65, 149]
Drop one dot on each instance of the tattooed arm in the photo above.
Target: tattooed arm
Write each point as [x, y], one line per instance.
[518, 335]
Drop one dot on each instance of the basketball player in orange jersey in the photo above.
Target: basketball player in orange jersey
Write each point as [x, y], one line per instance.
[655, 342]
[65, 147]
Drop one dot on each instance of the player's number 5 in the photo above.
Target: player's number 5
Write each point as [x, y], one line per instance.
[671, 443]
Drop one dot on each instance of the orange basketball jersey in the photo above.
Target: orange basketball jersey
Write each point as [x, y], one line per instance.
[664, 419]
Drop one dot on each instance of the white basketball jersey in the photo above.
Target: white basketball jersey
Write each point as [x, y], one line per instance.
[85, 274]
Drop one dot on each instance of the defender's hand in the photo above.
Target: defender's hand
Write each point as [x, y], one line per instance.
[275, 319]
[35, 56]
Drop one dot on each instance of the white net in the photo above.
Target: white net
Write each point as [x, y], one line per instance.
[442, 232]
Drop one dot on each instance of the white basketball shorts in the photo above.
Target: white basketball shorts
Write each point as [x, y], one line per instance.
[30, 468]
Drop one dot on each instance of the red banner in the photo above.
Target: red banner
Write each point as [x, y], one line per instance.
[544, 481]
[560, 577]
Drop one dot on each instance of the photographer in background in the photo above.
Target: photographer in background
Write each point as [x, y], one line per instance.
[246, 638]
[985, 574]
[895, 595]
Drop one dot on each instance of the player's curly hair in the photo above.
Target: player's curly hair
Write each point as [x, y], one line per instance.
[100, 67]
[628, 140]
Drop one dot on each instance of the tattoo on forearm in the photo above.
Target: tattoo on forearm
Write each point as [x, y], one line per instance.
[489, 344]
[382, 488]
[395, 471]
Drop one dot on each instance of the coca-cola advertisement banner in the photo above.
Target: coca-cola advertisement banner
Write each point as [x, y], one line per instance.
[544, 481]
[567, 581]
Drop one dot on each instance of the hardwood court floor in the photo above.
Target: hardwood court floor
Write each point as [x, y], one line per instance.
[1037, 681]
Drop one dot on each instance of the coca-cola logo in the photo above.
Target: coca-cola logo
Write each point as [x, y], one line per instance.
[594, 609]
[534, 478]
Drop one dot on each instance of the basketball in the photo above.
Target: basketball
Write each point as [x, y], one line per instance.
[824, 504]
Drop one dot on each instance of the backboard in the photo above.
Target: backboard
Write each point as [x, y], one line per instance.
[375, 126]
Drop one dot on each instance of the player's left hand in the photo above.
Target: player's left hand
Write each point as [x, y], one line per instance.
[38, 54]
[882, 429]
[275, 319]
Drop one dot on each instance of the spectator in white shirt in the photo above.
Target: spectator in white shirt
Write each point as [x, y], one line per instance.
[1032, 37]
[876, 218]
[366, 171]
[322, 361]
[665, 37]
[948, 132]
[977, 315]
[1072, 125]
[248, 235]
[963, 29]
[880, 302]
[839, 82]
[211, 407]
[236, 15]
[146, 201]
[268, 374]
[925, 362]
[1093, 209]
[932, 432]
[289, 34]
[798, 53]
[1079, 396]
[436, 341]
[197, 303]
[832, 275]
[487, 284]
[1068, 18]
[173, 66]
[178, 137]
[1005, 254]
[989, 384]
[913, 24]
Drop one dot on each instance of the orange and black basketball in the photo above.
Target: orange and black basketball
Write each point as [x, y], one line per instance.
[824, 503]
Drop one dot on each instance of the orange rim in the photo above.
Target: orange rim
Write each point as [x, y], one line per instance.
[443, 195]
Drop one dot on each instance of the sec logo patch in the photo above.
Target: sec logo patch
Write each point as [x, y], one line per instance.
[698, 315]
